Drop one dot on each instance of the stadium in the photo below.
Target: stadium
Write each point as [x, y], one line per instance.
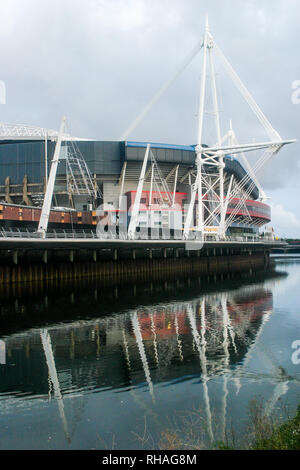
[207, 189]
[94, 173]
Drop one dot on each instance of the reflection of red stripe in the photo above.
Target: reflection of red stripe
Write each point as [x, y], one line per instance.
[164, 323]
[253, 303]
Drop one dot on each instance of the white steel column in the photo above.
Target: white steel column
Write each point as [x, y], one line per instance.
[223, 213]
[46, 158]
[221, 194]
[122, 184]
[197, 187]
[190, 212]
[200, 130]
[151, 185]
[175, 185]
[43, 223]
[219, 138]
[203, 86]
[136, 205]
[214, 92]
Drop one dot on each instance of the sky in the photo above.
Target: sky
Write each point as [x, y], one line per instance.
[99, 62]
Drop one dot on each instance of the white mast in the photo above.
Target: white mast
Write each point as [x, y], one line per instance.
[210, 184]
[197, 186]
[47, 346]
[136, 205]
[43, 223]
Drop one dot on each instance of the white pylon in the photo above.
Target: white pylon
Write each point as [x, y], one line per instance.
[45, 213]
[209, 161]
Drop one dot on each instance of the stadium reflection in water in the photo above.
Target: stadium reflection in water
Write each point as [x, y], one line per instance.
[145, 347]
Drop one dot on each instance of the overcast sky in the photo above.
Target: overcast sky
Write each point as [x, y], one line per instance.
[100, 61]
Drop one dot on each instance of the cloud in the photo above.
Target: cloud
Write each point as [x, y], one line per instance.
[285, 222]
[100, 61]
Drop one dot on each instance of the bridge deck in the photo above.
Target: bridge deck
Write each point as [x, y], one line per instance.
[8, 243]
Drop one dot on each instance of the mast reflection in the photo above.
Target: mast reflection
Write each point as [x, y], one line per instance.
[53, 377]
[210, 335]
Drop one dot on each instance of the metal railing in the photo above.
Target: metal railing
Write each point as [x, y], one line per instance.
[78, 234]
[16, 233]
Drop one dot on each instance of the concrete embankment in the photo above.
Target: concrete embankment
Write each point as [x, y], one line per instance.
[27, 260]
[126, 269]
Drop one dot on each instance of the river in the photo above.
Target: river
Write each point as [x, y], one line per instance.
[138, 366]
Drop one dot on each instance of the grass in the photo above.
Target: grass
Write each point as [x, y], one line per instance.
[285, 436]
[264, 433]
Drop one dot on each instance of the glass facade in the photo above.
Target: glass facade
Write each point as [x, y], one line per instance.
[20, 158]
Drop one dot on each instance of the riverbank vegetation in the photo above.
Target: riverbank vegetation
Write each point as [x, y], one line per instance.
[270, 436]
[264, 432]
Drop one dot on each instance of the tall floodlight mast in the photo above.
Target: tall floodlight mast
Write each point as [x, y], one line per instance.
[212, 205]
[43, 223]
[136, 206]
[208, 172]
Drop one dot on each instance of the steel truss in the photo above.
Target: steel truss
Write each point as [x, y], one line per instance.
[211, 189]
[17, 131]
[78, 175]
[209, 185]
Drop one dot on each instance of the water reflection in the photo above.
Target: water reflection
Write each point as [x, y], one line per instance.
[193, 330]
[218, 329]
[53, 379]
